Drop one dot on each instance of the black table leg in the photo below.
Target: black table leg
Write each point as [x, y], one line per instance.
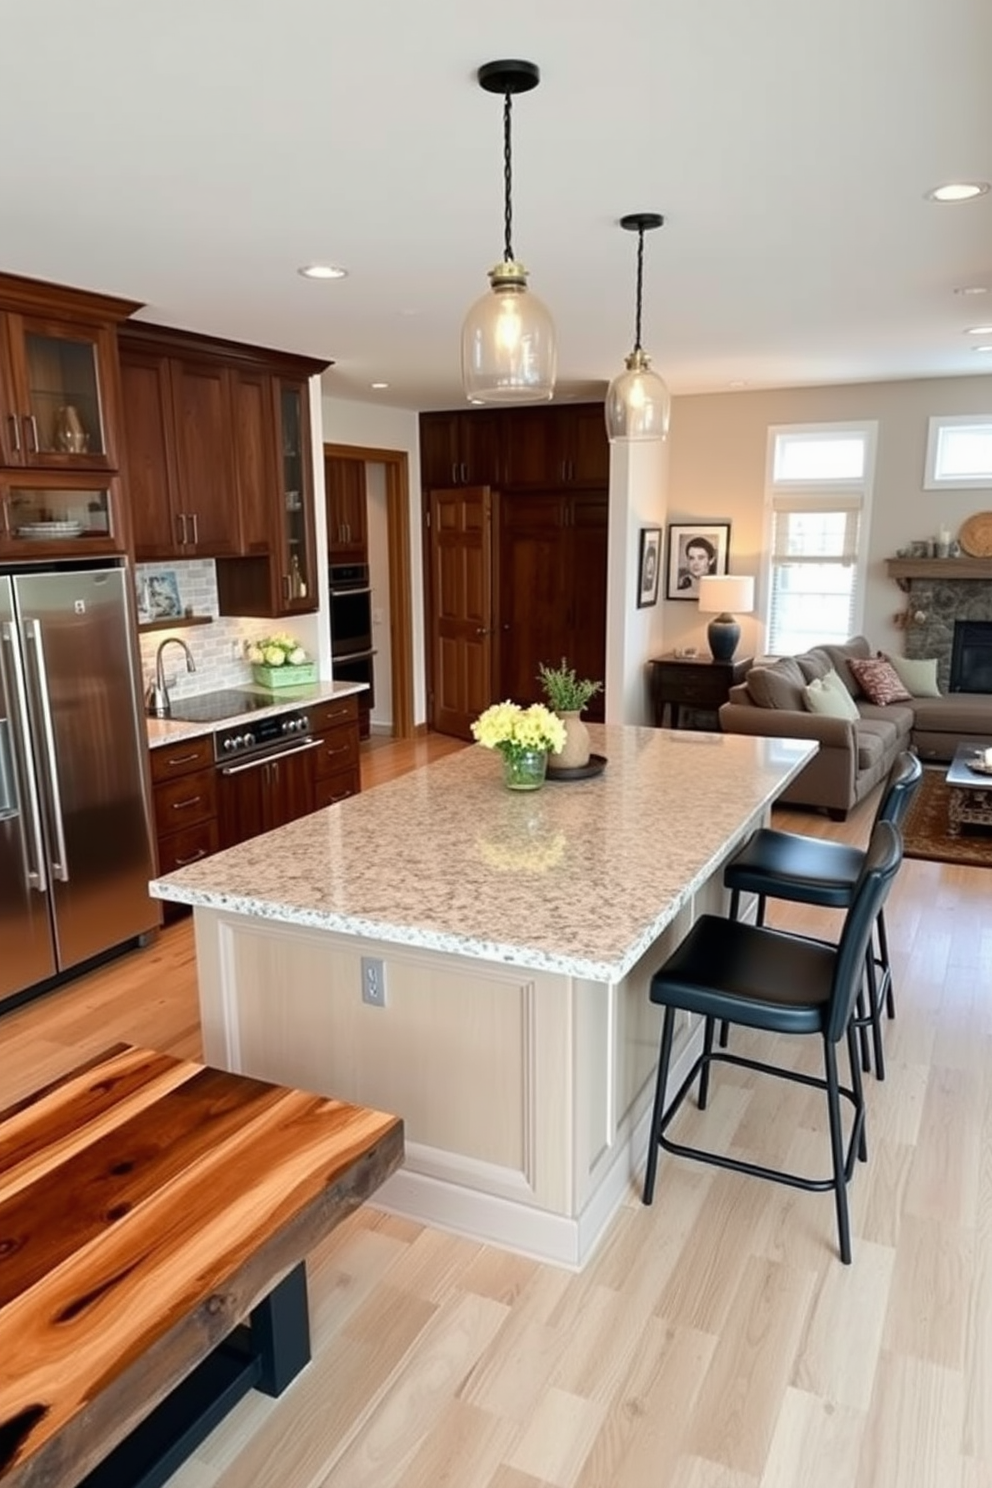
[280, 1332]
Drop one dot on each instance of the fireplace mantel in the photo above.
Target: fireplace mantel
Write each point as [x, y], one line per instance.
[904, 569]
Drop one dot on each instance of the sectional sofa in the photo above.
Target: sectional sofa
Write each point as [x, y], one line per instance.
[855, 753]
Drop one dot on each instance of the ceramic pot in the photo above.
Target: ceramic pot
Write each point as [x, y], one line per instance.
[576, 751]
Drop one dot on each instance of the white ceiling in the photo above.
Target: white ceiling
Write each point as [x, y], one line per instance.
[193, 153]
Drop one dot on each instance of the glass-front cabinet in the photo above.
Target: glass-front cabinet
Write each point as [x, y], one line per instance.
[54, 389]
[297, 540]
[76, 514]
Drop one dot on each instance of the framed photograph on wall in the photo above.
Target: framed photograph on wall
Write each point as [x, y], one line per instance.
[648, 567]
[695, 549]
[159, 596]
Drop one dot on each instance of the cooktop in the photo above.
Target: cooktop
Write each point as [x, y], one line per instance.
[212, 707]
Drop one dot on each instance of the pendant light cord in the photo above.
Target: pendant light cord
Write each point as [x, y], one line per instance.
[507, 180]
[640, 281]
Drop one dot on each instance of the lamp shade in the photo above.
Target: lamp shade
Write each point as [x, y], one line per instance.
[726, 594]
[638, 405]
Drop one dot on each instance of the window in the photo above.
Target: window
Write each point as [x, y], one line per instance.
[818, 498]
[959, 452]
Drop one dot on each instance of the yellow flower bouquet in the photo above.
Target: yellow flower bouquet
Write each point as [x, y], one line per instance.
[514, 730]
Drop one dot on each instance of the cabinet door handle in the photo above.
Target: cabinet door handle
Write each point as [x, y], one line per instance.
[181, 759]
[201, 852]
[185, 805]
[454, 475]
[15, 431]
[285, 587]
[196, 526]
[181, 528]
[464, 475]
[32, 425]
[481, 630]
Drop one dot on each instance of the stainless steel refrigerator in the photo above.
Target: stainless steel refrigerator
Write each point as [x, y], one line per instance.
[75, 839]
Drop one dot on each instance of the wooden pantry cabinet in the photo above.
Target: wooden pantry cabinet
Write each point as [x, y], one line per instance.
[516, 507]
[219, 464]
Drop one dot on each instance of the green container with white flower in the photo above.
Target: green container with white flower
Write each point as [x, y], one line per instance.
[280, 661]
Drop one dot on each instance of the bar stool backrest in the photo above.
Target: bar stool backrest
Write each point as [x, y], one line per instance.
[882, 859]
[901, 786]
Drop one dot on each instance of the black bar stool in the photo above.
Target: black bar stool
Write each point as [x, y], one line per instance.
[787, 984]
[813, 870]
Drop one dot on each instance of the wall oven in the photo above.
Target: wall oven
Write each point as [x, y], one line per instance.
[352, 651]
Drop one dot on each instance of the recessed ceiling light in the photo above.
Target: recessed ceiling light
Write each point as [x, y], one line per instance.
[972, 289]
[379, 384]
[981, 348]
[955, 191]
[322, 271]
[979, 331]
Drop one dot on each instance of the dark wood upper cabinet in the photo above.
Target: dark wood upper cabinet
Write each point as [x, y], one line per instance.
[461, 448]
[59, 405]
[347, 509]
[559, 445]
[219, 455]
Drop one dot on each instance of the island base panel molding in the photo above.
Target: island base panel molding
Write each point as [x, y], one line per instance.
[525, 1095]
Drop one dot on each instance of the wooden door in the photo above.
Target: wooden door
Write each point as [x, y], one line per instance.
[534, 589]
[150, 454]
[587, 568]
[201, 393]
[461, 607]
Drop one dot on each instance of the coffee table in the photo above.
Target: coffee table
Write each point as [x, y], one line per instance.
[970, 794]
[150, 1207]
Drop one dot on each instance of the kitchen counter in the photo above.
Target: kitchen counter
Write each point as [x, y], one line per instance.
[171, 731]
[512, 936]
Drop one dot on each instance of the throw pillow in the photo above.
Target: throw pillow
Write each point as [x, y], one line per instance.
[919, 676]
[777, 686]
[879, 681]
[831, 700]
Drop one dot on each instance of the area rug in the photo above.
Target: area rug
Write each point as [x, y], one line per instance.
[925, 828]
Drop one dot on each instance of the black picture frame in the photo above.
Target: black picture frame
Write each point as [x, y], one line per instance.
[648, 567]
[711, 544]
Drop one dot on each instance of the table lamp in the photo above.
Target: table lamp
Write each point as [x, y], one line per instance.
[718, 595]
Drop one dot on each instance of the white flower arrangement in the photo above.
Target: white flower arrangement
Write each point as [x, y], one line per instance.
[514, 730]
[276, 651]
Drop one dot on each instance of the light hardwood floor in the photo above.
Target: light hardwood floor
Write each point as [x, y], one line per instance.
[715, 1340]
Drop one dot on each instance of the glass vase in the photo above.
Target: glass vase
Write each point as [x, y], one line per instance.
[525, 769]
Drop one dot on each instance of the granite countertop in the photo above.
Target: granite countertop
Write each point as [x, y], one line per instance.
[170, 731]
[579, 877]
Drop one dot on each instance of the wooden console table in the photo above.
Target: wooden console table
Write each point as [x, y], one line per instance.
[148, 1207]
[699, 682]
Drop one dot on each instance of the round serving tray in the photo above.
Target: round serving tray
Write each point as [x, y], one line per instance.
[975, 536]
[596, 766]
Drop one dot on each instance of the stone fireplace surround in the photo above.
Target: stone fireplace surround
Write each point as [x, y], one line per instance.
[942, 590]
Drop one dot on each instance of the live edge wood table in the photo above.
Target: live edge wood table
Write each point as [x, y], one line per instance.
[149, 1208]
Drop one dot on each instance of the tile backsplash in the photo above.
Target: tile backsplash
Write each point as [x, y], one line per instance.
[218, 648]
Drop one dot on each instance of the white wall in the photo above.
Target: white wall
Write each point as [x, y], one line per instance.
[375, 426]
[638, 475]
[717, 471]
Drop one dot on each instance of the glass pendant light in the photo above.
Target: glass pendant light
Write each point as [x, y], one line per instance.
[638, 404]
[509, 352]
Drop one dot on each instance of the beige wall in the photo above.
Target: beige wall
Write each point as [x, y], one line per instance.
[717, 471]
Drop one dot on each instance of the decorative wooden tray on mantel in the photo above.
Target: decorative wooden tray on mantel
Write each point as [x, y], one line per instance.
[904, 569]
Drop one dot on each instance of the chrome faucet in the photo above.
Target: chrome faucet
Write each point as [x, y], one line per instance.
[157, 697]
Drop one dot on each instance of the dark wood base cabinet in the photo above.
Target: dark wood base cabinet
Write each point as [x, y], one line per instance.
[184, 785]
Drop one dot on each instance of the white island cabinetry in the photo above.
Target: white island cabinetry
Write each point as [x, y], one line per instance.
[517, 933]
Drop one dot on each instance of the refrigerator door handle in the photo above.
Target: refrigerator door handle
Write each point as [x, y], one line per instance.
[60, 866]
[37, 877]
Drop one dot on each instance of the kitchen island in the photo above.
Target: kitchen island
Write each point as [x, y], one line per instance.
[511, 936]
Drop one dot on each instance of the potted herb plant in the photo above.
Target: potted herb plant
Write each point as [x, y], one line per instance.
[567, 695]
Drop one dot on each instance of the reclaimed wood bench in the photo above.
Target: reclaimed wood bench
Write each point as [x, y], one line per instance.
[155, 1216]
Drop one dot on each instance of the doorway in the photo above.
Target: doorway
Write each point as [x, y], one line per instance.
[393, 485]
